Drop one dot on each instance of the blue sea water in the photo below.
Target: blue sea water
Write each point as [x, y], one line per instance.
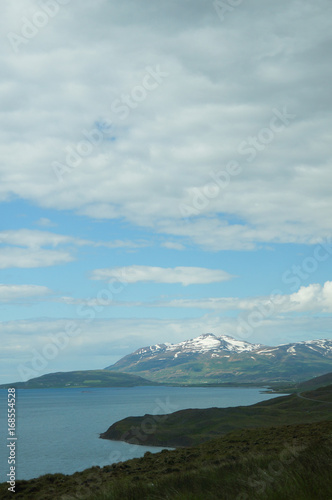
[58, 429]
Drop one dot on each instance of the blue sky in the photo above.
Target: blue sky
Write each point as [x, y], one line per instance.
[165, 172]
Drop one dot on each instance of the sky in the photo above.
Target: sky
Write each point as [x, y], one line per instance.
[165, 172]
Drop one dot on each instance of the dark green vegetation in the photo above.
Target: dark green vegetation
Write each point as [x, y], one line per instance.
[225, 363]
[277, 463]
[84, 379]
[202, 425]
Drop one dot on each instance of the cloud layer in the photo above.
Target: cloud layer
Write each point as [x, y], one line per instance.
[168, 139]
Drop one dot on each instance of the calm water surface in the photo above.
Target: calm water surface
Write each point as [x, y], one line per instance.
[58, 429]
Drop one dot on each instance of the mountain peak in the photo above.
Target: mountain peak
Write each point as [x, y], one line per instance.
[205, 343]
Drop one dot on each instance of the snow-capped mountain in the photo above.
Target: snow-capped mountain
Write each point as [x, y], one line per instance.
[202, 344]
[215, 359]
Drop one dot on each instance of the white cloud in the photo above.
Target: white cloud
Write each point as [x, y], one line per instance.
[183, 275]
[31, 258]
[36, 239]
[14, 293]
[23, 248]
[121, 244]
[45, 222]
[172, 245]
[315, 297]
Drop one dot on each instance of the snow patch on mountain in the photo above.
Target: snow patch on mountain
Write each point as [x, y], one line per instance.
[238, 345]
[203, 343]
[208, 342]
[322, 344]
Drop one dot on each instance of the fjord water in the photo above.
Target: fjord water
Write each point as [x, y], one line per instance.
[58, 429]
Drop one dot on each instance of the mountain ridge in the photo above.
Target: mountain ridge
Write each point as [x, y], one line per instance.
[223, 359]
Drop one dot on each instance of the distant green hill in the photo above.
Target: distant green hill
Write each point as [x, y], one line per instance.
[195, 426]
[84, 379]
[315, 383]
[308, 385]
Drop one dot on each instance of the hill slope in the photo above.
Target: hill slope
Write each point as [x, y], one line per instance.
[307, 385]
[214, 360]
[194, 426]
[85, 378]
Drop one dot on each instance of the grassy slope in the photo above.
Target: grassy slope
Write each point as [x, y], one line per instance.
[308, 385]
[203, 424]
[288, 462]
[316, 382]
[237, 368]
[243, 371]
[321, 394]
[84, 379]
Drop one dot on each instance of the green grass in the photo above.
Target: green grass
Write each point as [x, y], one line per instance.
[255, 478]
